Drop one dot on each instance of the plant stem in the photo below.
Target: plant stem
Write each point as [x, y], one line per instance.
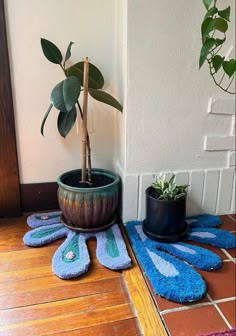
[63, 69]
[230, 83]
[222, 78]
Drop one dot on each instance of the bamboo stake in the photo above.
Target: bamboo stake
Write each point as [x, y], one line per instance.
[84, 121]
[88, 148]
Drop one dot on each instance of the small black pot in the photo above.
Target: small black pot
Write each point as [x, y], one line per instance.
[165, 220]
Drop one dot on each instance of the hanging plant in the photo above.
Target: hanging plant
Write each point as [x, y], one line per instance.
[213, 32]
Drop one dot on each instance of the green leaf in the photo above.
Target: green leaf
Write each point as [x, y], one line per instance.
[45, 118]
[217, 62]
[105, 98]
[172, 179]
[221, 25]
[220, 41]
[205, 50]
[68, 52]
[207, 26]
[225, 13]
[51, 52]
[65, 121]
[182, 195]
[66, 93]
[207, 3]
[95, 80]
[211, 12]
[229, 67]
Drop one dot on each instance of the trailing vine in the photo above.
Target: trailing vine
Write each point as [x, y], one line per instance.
[213, 33]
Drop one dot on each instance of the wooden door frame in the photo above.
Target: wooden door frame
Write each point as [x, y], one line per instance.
[10, 201]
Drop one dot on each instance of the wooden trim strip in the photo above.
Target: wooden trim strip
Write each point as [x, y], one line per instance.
[146, 311]
[9, 175]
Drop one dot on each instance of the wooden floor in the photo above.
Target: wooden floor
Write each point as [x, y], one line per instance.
[33, 301]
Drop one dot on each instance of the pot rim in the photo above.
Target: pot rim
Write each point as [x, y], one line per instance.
[89, 190]
[164, 201]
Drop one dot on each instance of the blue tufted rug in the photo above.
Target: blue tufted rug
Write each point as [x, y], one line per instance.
[169, 266]
[72, 258]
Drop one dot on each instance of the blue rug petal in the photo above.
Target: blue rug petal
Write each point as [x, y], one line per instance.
[44, 235]
[206, 221]
[194, 255]
[215, 237]
[111, 249]
[42, 219]
[170, 277]
[72, 258]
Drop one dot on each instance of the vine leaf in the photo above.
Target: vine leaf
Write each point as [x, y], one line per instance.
[217, 62]
[220, 41]
[221, 25]
[211, 12]
[225, 13]
[207, 26]
[205, 50]
[207, 3]
[229, 67]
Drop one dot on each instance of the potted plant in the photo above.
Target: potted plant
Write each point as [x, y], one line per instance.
[165, 211]
[87, 197]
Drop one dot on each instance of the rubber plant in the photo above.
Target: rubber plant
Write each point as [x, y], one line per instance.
[83, 77]
[213, 33]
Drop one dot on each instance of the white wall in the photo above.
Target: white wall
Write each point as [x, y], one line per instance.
[167, 102]
[121, 80]
[168, 118]
[91, 27]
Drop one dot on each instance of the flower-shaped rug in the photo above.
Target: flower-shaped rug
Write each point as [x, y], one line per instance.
[169, 267]
[72, 258]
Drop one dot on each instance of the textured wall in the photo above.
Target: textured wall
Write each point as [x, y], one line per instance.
[167, 118]
[176, 119]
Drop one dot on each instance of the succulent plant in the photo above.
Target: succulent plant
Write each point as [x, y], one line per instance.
[169, 190]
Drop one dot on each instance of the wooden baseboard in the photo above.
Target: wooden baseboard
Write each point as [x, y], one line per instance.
[39, 196]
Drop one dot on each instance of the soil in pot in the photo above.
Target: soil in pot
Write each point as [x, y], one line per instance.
[98, 180]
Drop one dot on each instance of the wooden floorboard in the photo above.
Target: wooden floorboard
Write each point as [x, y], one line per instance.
[33, 301]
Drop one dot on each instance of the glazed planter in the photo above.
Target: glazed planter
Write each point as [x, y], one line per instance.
[165, 220]
[88, 208]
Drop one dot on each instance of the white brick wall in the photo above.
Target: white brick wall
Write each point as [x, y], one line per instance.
[211, 191]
